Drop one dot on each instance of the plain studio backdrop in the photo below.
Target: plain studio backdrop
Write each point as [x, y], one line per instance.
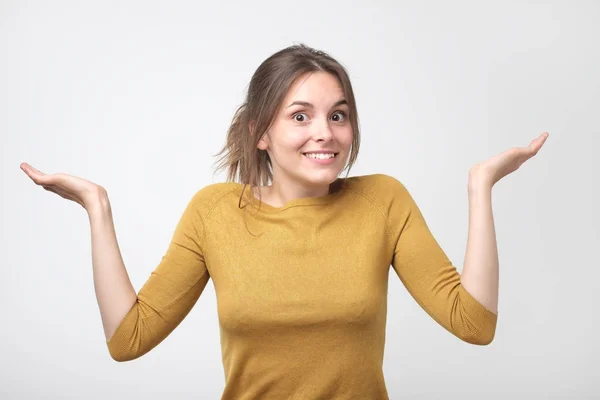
[137, 97]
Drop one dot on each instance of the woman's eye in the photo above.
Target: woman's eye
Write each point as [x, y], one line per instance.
[341, 114]
[299, 115]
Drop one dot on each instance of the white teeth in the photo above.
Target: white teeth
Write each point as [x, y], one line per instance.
[320, 156]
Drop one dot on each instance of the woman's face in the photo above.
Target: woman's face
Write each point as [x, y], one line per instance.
[313, 119]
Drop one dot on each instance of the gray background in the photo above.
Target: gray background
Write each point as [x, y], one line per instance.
[137, 96]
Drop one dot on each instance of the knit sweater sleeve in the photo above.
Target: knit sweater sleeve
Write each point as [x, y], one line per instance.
[427, 273]
[169, 293]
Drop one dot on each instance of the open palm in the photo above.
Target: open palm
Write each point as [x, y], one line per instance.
[69, 187]
[508, 161]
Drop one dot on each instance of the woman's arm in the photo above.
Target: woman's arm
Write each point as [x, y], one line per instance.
[480, 269]
[170, 291]
[480, 274]
[114, 291]
[135, 324]
[427, 272]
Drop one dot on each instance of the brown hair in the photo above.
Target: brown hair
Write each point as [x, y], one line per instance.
[247, 164]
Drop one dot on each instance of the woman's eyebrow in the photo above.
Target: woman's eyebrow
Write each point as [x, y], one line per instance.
[309, 105]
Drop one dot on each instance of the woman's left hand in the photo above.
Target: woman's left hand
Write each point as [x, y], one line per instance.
[497, 167]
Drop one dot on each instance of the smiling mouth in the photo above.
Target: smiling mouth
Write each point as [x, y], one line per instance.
[328, 156]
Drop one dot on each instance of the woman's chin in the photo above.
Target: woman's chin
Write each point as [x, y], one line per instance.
[322, 177]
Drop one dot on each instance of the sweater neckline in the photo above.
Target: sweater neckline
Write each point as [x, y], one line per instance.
[339, 185]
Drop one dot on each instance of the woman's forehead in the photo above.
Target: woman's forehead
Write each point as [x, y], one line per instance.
[317, 88]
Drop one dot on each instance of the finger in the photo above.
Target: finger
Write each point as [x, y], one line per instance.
[520, 154]
[36, 170]
[42, 179]
[29, 168]
[536, 144]
[33, 173]
[542, 138]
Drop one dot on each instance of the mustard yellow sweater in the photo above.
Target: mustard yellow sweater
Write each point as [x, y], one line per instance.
[302, 289]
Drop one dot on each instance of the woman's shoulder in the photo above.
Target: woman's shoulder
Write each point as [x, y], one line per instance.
[381, 191]
[208, 196]
[383, 194]
[377, 185]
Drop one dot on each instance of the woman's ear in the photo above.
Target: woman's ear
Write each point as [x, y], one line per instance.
[262, 143]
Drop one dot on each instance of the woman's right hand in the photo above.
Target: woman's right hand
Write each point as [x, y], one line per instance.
[79, 190]
[114, 291]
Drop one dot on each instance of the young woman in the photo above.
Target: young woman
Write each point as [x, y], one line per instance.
[299, 257]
